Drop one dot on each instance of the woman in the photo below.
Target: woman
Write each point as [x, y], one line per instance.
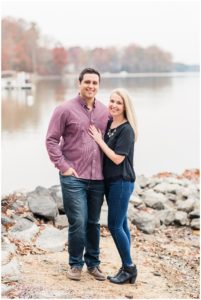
[118, 147]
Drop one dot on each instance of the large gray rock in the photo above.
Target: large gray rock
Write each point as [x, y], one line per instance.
[136, 201]
[186, 205]
[194, 214]
[24, 230]
[10, 271]
[51, 239]
[7, 221]
[142, 181]
[144, 221]
[5, 289]
[8, 251]
[41, 203]
[166, 216]
[104, 215]
[181, 218]
[195, 223]
[154, 200]
[61, 221]
[55, 192]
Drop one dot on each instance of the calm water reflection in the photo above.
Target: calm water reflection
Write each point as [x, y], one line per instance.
[168, 115]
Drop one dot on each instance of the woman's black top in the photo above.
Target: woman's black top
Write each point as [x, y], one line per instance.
[121, 141]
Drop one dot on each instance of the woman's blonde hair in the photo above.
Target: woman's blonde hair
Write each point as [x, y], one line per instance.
[129, 109]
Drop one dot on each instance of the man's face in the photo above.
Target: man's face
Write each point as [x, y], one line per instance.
[89, 86]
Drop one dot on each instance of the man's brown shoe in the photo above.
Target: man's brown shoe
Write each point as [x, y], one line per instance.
[97, 273]
[74, 273]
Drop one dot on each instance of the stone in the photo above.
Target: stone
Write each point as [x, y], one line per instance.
[10, 272]
[42, 204]
[8, 251]
[51, 239]
[186, 205]
[55, 192]
[104, 215]
[61, 221]
[181, 218]
[195, 223]
[154, 200]
[194, 214]
[142, 181]
[24, 230]
[144, 221]
[136, 201]
[166, 216]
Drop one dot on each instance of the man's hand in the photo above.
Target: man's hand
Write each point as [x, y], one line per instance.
[70, 172]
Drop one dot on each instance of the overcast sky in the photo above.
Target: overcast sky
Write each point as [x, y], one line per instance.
[172, 25]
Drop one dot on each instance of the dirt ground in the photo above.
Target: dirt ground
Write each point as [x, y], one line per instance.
[167, 262]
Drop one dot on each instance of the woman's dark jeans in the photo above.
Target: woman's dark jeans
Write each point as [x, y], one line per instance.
[117, 195]
[82, 204]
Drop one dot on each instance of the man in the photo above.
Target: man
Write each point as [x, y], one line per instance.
[79, 160]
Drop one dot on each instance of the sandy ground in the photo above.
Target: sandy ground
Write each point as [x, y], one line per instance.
[167, 261]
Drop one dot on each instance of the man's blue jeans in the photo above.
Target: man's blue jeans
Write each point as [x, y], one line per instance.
[82, 204]
[117, 195]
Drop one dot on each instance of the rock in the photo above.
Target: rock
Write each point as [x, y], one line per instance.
[51, 239]
[166, 216]
[55, 192]
[24, 230]
[104, 215]
[61, 221]
[154, 200]
[161, 187]
[7, 251]
[41, 203]
[142, 181]
[6, 221]
[10, 272]
[144, 221]
[195, 223]
[186, 205]
[136, 201]
[181, 218]
[5, 289]
[171, 197]
[173, 180]
[191, 192]
[169, 187]
[194, 214]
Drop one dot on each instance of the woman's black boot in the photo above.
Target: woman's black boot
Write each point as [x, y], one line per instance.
[128, 274]
[109, 277]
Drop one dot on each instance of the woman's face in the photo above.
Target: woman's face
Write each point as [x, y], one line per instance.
[116, 106]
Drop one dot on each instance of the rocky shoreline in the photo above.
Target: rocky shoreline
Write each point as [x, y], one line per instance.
[35, 223]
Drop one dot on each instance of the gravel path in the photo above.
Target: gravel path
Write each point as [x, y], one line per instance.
[167, 261]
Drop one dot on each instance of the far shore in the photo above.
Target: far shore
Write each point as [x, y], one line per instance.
[119, 75]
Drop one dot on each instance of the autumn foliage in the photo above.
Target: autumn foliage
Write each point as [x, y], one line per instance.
[24, 48]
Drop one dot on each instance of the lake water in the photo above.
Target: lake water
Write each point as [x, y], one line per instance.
[167, 110]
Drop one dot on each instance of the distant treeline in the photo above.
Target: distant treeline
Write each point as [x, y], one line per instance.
[25, 49]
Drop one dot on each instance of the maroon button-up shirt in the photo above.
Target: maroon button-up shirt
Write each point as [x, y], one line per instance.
[68, 141]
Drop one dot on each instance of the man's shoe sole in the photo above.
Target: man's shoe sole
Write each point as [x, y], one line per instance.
[73, 278]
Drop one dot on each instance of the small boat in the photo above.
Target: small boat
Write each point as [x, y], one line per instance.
[16, 80]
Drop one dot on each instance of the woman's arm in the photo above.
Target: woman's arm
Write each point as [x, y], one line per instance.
[97, 136]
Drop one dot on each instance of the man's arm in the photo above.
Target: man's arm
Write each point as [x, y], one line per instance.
[55, 132]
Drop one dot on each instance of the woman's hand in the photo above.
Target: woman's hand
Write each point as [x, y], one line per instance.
[96, 134]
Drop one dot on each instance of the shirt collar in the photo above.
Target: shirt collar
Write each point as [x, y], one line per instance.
[83, 103]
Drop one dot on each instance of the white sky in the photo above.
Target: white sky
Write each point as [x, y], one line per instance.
[172, 25]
